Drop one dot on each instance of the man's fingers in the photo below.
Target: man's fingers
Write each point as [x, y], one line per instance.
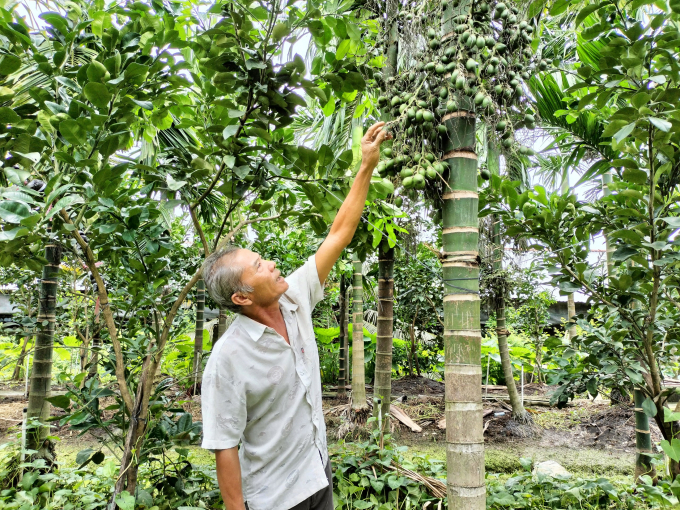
[371, 132]
[381, 137]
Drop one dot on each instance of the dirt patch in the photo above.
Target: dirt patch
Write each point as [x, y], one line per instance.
[413, 386]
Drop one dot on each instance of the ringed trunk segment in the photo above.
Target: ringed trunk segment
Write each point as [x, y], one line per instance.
[643, 439]
[358, 369]
[41, 374]
[462, 333]
[198, 336]
[342, 336]
[383, 352]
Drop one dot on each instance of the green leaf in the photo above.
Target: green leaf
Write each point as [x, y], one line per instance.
[613, 127]
[61, 401]
[73, 132]
[174, 185]
[661, 124]
[10, 235]
[9, 64]
[144, 498]
[624, 132]
[587, 11]
[669, 415]
[125, 501]
[591, 386]
[559, 7]
[84, 456]
[649, 407]
[64, 202]
[307, 156]
[8, 116]
[14, 212]
[342, 50]
[97, 94]
[634, 176]
[135, 73]
[109, 145]
[230, 131]
[623, 253]
[672, 448]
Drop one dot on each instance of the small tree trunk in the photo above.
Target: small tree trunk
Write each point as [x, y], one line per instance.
[409, 352]
[342, 337]
[41, 375]
[606, 180]
[16, 375]
[358, 372]
[383, 348]
[222, 323]
[198, 336]
[415, 357]
[571, 311]
[643, 439]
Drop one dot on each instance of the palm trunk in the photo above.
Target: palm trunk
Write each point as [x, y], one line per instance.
[383, 348]
[342, 337]
[16, 375]
[358, 372]
[41, 374]
[643, 439]
[222, 323]
[462, 333]
[198, 336]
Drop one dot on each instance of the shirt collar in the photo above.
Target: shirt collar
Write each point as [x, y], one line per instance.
[256, 329]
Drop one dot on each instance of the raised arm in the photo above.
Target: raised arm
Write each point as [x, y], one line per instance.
[348, 216]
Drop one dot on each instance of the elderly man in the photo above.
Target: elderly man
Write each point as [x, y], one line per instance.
[262, 385]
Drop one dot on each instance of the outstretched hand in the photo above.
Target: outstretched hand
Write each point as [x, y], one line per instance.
[370, 145]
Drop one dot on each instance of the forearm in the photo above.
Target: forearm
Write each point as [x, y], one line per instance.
[229, 478]
[347, 219]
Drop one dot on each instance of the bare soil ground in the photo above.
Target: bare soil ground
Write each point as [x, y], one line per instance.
[589, 435]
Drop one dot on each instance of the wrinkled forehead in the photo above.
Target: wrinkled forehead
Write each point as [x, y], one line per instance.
[244, 259]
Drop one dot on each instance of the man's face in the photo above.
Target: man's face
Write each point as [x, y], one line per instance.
[267, 282]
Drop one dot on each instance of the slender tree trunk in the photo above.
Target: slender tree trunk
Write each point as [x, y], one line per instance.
[462, 333]
[643, 439]
[16, 375]
[571, 312]
[519, 414]
[222, 323]
[383, 349]
[358, 372]
[571, 307]
[95, 343]
[198, 335]
[342, 337]
[345, 340]
[606, 180]
[41, 375]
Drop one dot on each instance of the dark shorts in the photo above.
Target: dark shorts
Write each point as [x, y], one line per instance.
[322, 500]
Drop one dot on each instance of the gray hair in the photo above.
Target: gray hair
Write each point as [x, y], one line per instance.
[223, 279]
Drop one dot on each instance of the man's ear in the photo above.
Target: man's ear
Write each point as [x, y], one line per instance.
[240, 299]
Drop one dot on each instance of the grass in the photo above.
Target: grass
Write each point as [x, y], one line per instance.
[561, 419]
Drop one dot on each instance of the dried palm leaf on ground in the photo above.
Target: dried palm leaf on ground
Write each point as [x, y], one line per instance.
[435, 487]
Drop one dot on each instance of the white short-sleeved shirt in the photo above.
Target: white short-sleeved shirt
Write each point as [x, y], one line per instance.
[265, 394]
